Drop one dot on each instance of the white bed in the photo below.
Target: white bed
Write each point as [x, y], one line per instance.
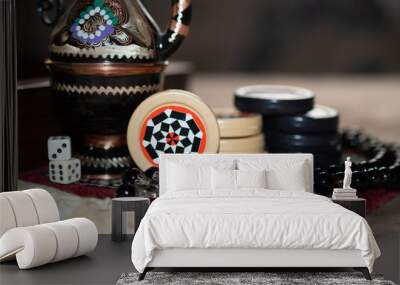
[248, 227]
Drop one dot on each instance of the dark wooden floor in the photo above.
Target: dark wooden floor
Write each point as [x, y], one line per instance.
[110, 260]
[103, 266]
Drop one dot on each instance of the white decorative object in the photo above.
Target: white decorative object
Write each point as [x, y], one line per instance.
[30, 230]
[59, 148]
[345, 193]
[347, 174]
[46, 243]
[65, 171]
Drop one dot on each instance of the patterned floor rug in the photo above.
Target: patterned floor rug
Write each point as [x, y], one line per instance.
[253, 278]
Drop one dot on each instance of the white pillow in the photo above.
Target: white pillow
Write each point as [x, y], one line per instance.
[223, 179]
[281, 174]
[228, 179]
[189, 174]
[183, 178]
[251, 178]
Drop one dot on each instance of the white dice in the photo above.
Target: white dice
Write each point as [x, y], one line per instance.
[59, 148]
[65, 171]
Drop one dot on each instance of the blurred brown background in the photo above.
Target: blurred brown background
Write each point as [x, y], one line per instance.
[286, 36]
[347, 51]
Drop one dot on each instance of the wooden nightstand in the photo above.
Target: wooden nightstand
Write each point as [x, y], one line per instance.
[358, 206]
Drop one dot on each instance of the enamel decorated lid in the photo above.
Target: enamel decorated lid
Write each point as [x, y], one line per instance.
[171, 121]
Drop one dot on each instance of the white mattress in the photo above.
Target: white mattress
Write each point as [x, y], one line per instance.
[253, 219]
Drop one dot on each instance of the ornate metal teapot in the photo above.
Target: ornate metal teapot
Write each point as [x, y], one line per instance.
[106, 57]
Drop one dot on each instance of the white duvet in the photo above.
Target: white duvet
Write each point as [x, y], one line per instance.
[250, 219]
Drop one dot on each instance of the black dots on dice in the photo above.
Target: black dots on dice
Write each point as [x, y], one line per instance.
[60, 166]
[59, 150]
[52, 166]
[54, 155]
[64, 145]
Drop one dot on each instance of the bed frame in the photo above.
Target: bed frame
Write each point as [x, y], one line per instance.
[241, 259]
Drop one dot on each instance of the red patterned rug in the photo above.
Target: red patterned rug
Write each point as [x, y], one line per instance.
[40, 176]
[376, 198]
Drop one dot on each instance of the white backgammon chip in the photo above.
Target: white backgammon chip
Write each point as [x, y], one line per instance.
[234, 124]
[253, 144]
[171, 121]
[273, 100]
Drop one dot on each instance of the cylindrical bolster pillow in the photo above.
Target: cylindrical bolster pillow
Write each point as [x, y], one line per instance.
[45, 205]
[23, 208]
[66, 238]
[41, 244]
[87, 234]
[7, 218]
[33, 246]
[26, 208]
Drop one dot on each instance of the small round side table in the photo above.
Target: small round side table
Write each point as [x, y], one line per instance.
[123, 206]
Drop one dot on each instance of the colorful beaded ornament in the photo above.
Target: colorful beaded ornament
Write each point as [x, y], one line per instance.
[94, 24]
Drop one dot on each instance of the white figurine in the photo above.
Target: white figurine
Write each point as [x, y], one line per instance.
[347, 174]
[345, 193]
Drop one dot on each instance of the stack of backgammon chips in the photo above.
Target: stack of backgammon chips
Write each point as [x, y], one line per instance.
[239, 132]
[344, 194]
[291, 121]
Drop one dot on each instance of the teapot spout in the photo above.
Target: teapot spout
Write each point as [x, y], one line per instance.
[178, 29]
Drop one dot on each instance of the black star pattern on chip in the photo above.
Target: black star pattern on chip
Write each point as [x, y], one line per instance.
[171, 131]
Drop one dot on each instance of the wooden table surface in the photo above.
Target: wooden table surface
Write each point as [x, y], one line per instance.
[368, 102]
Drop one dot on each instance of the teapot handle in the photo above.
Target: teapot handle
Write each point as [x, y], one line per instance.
[178, 29]
[49, 11]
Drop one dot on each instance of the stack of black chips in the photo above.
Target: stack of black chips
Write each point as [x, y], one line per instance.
[292, 123]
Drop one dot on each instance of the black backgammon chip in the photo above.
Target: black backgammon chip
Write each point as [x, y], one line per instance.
[274, 99]
[333, 150]
[302, 140]
[321, 119]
